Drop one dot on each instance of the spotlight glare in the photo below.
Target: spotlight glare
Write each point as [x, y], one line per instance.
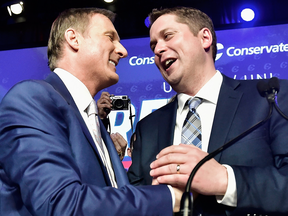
[147, 22]
[9, 10]
[247, 14]
[108, 1]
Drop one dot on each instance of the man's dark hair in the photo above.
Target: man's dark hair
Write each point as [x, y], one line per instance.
[194, 18]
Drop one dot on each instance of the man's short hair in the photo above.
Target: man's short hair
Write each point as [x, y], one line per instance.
[194, 18]
[77, 18]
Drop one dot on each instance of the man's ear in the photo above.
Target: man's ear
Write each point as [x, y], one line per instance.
[206, 37]
[71, 37]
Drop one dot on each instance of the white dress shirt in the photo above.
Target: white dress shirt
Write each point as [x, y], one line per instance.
[206, 110]
[82, 99]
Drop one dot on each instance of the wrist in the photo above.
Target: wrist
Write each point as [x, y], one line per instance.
[223, 183]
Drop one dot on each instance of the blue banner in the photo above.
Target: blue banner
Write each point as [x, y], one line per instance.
[248, 53]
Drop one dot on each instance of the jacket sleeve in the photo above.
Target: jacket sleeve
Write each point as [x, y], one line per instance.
[37, 159]
[262, 174]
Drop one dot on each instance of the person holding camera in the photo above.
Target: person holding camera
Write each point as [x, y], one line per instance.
[56, 157]
[105, 105]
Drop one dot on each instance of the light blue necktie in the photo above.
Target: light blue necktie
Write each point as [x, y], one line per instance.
[191, 131]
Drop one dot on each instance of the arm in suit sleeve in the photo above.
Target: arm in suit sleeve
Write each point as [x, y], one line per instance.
[152, 135]
[39, 160]
[262, 175]
[135, 171]
[143, 155]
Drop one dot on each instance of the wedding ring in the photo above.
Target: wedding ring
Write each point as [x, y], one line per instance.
[178, 168]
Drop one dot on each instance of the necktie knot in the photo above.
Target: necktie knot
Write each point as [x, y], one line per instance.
[94, 123]
[92, 108]
[191, 131]
[193, 103]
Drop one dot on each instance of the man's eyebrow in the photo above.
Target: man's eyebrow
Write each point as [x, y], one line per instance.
[113, 33]
[153, 42]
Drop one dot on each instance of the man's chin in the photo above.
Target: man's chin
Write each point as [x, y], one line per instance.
[113, 80]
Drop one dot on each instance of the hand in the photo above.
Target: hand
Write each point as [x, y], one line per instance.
[210, 179]
[120, 144]
[129, 152]
[178, 195]
[194, 193]
[104, 105]
[132, 140]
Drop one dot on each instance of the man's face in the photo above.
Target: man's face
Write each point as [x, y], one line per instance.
[100, 51]
[178, 53]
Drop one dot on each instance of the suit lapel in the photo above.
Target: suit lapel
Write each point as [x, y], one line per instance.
[120, 173]
[60, 87]
[227, 105]
[166, 125]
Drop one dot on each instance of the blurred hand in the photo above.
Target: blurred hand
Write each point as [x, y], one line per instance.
[104, 105]
[129, 152]
[210, 179]
[120, 144]
[178, 195]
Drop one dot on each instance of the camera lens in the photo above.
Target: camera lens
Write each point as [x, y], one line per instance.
[118, 103]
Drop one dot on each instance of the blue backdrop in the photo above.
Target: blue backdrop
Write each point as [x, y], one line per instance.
[248, 53]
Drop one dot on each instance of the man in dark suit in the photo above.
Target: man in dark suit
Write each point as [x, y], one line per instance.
[248, 178]
[52, 158]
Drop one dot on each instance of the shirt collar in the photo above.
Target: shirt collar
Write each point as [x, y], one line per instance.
[77, 89]
[209, 92]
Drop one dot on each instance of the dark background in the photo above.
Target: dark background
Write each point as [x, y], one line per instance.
[32, 28]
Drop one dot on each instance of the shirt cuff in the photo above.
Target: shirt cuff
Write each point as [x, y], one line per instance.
[230, 197]
[172, 195]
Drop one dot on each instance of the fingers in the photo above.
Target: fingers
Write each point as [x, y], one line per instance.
[177, 154]
[182, 148]
[155, 182]
[171, 169]
[104, 98]
[121, 141]
[118, 140]
[120, 144]
[104, 105]
[175, 180]
[129, 153]
[175, 173]
[175, 163]
[169, 159]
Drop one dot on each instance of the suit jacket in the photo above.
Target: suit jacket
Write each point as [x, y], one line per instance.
[49, 164]
[259, 160]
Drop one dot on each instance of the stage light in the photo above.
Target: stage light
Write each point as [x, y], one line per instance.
[108, 1]
[247, 14]
[147, 22]
[16, 8]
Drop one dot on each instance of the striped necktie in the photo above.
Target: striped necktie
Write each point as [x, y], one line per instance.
[191, 131]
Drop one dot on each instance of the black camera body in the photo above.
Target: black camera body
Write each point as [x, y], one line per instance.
[120, 102]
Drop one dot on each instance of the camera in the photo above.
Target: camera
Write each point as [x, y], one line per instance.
[120, 102]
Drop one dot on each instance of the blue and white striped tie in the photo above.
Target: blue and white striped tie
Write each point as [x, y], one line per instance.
[191, 131]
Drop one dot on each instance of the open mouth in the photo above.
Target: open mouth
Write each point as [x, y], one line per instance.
[168, 63]
[112, 62]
